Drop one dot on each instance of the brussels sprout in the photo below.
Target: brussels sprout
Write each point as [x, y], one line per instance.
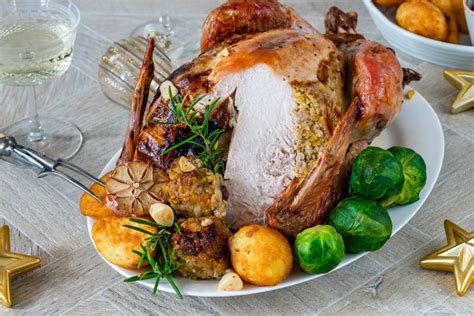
[376, 174]
[319, 249]
[414, 171]
[363, 224]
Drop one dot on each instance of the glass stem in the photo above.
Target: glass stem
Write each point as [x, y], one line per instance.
[166, 22]
[36, 133]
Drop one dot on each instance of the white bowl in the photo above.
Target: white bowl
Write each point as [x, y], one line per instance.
[469, 13]
[441, 53]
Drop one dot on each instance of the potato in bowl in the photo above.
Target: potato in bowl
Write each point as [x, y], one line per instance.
[441, 20]
[423, 18]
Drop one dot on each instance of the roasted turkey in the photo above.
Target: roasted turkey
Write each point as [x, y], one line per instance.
[300, 105]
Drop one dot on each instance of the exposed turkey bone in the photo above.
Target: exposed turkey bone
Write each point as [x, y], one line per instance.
[410, 75]
[341, 26]
[304, 203]
[337, 21]
[140, 97]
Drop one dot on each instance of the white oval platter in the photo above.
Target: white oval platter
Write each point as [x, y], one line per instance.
[416, 127]
[441, 53]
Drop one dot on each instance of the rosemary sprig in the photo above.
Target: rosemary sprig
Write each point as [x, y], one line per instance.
[163, 264]
[202, 136]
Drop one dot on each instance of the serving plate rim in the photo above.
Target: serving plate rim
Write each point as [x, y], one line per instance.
[249, 290]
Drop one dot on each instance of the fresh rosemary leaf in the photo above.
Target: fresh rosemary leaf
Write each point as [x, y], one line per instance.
[164, 123]
[145, 222]
[176, 228]
[201, 135]
[193, 104]
[163, 252]
[173, 285]
[180, 144]
[152, 261]
[142, 257]
[139, 229]
[138, 253]
[132, 279]
[141, 277]
[157, 282]
[207, 114]
[162, 259]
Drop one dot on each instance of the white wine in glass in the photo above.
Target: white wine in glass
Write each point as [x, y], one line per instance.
[36, 46]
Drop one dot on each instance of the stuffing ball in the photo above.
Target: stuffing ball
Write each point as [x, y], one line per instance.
[201, 247]
[260, 255]
[193, 190]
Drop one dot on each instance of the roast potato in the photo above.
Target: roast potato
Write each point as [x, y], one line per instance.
[116, 242]
[458, 8]
[447, 7]
[389, 3]
[423, 18]
[260, 255]
[90, 207]
[453, 31]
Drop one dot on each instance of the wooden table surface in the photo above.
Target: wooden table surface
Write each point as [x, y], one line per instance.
[45, 221]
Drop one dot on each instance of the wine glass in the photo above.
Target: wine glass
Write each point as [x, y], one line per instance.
[173, 34]
[36, 46]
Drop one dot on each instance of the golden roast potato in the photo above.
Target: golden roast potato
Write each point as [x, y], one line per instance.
[90, 207]
[116, 242]
[389, 3]
[260, 255]
[423, 18]
[447, 7]
[458, 8]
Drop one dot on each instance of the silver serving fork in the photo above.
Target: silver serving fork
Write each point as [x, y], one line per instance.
[10, 148]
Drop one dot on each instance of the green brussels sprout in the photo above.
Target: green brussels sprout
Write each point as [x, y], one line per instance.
[414, 171]
[376, 174]
[363, 224]
[319, 249]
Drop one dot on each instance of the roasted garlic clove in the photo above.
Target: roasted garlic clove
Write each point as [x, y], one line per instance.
[162, 214]
[185, 165]
[166, 87]
[231, 281]
[206, 222]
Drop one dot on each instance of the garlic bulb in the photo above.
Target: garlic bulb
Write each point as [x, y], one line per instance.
[162, 214]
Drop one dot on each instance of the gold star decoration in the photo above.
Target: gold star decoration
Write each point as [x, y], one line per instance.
[464, 81]
[12, 265]
[457, 256]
